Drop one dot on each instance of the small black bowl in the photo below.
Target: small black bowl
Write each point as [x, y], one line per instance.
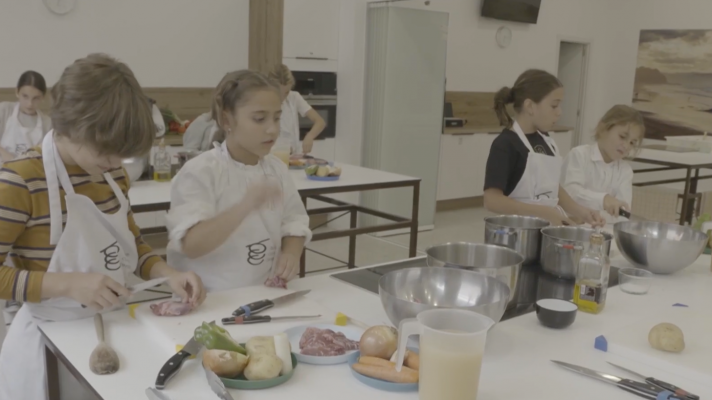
[556, 313]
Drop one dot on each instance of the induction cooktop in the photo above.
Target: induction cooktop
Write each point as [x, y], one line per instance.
[533, 283]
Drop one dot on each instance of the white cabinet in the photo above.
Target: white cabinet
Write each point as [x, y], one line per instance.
[463, 161]
[311, 29]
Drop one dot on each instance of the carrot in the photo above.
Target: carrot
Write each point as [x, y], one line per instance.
[406, 375]
[412, 360]
[377, 362]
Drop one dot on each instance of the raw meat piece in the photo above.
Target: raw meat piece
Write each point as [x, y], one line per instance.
[276, 282]
[171, 308]
[325, 342]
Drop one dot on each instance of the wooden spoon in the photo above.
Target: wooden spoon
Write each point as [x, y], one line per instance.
[103, 360]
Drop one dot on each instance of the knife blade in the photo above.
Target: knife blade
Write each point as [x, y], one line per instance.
[259, 306]
[154, 394]
[147, 285]
[217, 386]
[642, 389]
[173, 365]
[661, 384]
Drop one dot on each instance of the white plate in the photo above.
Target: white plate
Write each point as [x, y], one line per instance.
[295, 334]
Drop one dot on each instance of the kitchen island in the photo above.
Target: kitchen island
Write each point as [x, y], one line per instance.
[149, 196]
[517, 349]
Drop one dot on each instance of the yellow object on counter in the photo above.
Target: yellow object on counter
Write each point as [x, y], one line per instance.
[341, 319]
[132, 310]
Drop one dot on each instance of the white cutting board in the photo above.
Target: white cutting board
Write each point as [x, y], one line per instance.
[630, 343]
[173, 331]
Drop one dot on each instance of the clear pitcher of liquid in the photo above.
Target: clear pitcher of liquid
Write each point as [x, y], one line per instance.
[452, 343]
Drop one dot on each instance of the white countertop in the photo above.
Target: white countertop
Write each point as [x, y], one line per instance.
[516, 349]
[151, 192]
[685, 159]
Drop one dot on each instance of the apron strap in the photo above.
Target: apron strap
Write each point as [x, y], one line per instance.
[55, 175]
[550, 142]
[117, 190]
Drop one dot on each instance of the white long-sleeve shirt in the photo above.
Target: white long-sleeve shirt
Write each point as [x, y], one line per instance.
[588, 179]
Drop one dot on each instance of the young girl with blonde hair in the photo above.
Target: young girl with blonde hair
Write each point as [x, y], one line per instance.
[597, 175]
[236, 218]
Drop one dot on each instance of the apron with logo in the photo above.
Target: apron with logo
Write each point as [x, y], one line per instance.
[17, 139]
[90, 242]
[249, 255]
[540, 182]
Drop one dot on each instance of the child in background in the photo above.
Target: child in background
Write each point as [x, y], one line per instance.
[597, 175]
[236, 218]
[62, 273]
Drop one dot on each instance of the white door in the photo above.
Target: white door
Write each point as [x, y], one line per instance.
[572, 74]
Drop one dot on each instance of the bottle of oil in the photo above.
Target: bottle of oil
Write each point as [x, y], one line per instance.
[162, 164]
[592, 277]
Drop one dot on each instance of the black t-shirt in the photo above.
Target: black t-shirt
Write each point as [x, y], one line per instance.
[508, 159]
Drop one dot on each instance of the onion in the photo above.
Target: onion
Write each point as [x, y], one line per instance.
[226, 364]
[379, 341]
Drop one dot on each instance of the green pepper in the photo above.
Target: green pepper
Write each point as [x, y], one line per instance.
[214, 337]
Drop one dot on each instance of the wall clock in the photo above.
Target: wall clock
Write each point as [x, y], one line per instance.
[60, 7]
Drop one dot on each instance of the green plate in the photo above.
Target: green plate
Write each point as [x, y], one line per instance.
[243, 384]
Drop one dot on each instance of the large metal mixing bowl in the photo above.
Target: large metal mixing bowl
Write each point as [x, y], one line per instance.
[488, 259]
[406, 292]
[659, 247]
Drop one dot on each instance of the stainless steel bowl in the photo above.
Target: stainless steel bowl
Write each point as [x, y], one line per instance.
[562, 246]
[659, 247]
[406, 292]
[135, 167]
[519, 233]
[492, 260]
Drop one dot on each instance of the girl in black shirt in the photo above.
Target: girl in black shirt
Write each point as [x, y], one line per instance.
[524, 165]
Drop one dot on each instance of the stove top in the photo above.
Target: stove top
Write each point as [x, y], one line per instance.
[533, 284]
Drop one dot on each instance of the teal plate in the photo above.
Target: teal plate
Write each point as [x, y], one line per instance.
[243, 384]
[323, 178]
[378, 383]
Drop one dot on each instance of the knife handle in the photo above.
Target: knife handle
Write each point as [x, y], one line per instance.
[170, 369]
[644, 389]
[242, 320]
[672, 388]
[623, 213]
[253, 308]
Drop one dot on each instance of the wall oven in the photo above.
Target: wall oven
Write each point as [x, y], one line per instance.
[326, 107]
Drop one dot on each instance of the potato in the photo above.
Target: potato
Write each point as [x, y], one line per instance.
[667, 337]
[261, 345]
[263, 366]
[322, 171]
[227, 364]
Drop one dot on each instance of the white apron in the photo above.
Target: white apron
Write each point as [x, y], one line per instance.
[248, 256]
[540, 182]
[17, 139]
[91, 242]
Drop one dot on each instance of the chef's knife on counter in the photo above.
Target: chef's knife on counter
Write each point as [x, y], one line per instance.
[172, 366]
[154, 394]
[642, 389]
[661, 384]
[217, 386]
[257, 319]
[259, 306]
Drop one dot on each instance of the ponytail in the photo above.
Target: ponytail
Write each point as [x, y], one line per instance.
[501, 99]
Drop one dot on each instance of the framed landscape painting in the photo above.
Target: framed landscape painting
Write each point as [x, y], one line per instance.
[673, 82]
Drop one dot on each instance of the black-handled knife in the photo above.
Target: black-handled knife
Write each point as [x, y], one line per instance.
[257, 319]
[623, 213]
[173, 365]
[259, 306]
[662, 384]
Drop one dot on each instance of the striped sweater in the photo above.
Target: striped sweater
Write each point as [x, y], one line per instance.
[25, 223]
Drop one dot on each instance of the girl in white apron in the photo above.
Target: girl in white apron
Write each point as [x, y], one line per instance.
[22, 124]
[71, 268]
[236, 218]
[524, 164]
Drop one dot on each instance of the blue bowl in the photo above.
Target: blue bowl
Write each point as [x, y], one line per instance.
[378, 383]
[323, 178]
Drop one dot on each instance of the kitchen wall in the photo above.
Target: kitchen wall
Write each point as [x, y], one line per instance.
[167, 43]
[475, 62]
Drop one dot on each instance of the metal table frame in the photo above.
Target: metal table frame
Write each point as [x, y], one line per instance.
[690, 191]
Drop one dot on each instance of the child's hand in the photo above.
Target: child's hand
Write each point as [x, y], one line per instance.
[263, 193]
[287, 266]
[94, 290]
[591, 217]
[188, 286]
[557, 218]
[613, 206]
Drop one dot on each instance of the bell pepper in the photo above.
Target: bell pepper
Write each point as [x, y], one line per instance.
[214, 337]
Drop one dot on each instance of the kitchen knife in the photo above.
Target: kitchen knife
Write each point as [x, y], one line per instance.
[642, 389]
[217, 386]
[172, 366]
[259, 306]
[147, 285]
[662, 384]
[154, 394]
[256, 319]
